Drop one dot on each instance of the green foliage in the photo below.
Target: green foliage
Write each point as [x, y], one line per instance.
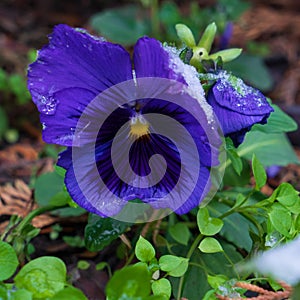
[180, 233]
[14, 84]
[268, 148]
[132, 282]
[174, 265]
[56, 196]
[259, 173]
[100, 232]
[210, 245]
[121, 25]
[43, 277]
[69, 293]
[162, 287]
[208, 225]
[8, 261]
[144, 251]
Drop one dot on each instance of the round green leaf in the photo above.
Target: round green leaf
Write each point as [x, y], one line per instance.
[206, 224]
[43, 277]
[131, 281]
[162, 287]
[144, 251]
[8, 261]
[69, 293]
[20, 295]
[210, 245]
[174, 265]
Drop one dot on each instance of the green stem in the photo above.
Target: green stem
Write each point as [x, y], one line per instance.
[154, 18]
[130, 258]
[188, 256]
[36, 213]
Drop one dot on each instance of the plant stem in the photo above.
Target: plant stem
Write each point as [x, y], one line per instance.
[154, 18]
[36, 213]
[189, 255]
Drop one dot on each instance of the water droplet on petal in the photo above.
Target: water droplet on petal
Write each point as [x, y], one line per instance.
[47, 105]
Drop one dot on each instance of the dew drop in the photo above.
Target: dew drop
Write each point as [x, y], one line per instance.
[47, 105]
[272, 239]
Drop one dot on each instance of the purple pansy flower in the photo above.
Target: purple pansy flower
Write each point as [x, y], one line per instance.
[237, 106]
[80, 75]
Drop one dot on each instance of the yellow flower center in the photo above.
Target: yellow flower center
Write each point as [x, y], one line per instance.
[138, 127]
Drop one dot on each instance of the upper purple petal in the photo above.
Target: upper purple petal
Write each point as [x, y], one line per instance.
[69, 72]
[152, 60]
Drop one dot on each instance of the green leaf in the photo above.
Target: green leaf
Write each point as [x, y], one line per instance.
[253, 70]
[208, 37]
[206, 224]
[180, 233]
[259, 173]
[280, 218]
[236, 228]
[174, 265]
[216, 281]
[185, 35]
[131, 281]
[236, 161]
[231, 178]
[100, 232]
[101, 265]
[278, 122]
[122, 25]
[210, 295]
[70, 293]
[49, 189]
[43, 276]
[20, 295]
[268, 148]
[162, 287]
[226, 55]
[288, 197]
[83, 265]
[3, 290]
[210, 245]
[144, 251]
[8, 261]
[74, 241]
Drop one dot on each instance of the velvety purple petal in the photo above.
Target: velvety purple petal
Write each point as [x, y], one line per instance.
[240, 97]
[152, 60]
[68, 74]
[178, 178]
[238, 107]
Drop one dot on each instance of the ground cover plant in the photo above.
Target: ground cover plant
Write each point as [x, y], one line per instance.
[162, 152]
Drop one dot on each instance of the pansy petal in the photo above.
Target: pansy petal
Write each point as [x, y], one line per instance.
[237, 106]
[101, 180]
[152, 60]
[240, 97]
[79, 65]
